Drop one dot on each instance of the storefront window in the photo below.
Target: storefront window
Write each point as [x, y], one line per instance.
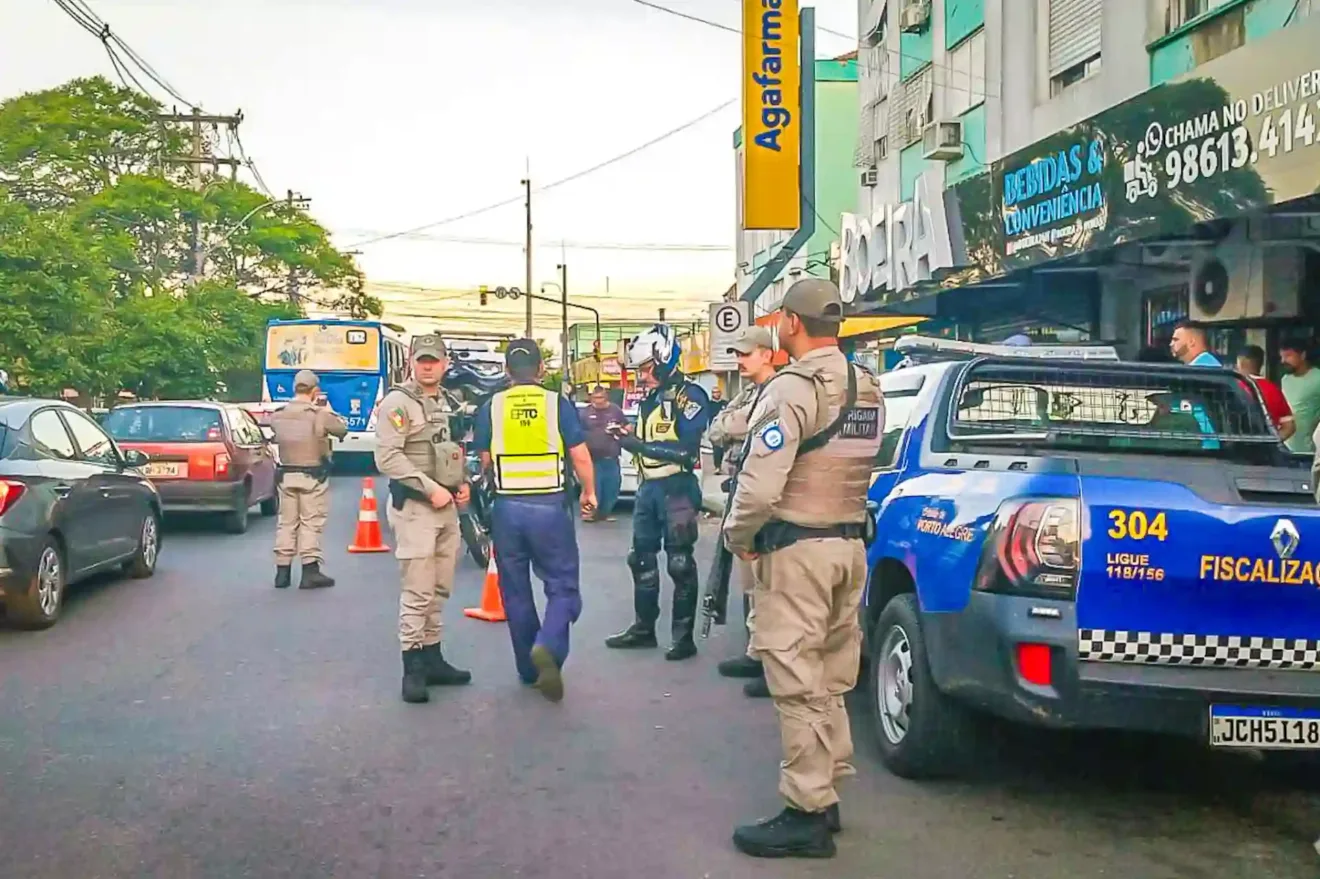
[1161, 312]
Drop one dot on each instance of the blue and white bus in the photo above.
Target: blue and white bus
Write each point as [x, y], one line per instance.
[357, 361]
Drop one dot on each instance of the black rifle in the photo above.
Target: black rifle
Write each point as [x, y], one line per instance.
[715, 600]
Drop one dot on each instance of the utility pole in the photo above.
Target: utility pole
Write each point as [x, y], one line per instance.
[527, 187]
[196, 159]
[563, 317]
[292, 200]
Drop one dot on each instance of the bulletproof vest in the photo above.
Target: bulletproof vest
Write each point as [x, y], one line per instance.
[295, 433]
[432, 447]
[828, 486]
[659, 424]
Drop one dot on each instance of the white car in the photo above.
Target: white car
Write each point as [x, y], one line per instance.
[628, 465]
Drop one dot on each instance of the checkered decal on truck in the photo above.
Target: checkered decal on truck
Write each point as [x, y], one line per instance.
[1222, 651]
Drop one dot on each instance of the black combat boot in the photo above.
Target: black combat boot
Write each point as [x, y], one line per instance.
[756, 689]
[439, 673]
[686, 588]
[741, 667]
[636, 636]
[646, 604]
[414, 676]
[283, 576]
[312, 578]
[790, 834]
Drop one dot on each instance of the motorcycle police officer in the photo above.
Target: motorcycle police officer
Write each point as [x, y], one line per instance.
[302, 431]
[755, 349]
[415, 448]
[526, 435]
[799, 517]
[671, 419]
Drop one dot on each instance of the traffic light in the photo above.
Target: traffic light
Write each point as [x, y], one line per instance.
[484, 291]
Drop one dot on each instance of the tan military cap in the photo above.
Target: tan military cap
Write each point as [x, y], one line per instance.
[306, 379]
[751, 338]
[429, 345]
[815, 298]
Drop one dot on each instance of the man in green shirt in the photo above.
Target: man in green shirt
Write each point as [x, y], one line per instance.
[1301, 388]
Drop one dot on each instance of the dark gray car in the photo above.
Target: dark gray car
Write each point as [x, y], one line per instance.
[71, 505]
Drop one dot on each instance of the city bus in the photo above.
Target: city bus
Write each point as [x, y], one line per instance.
[357, 362]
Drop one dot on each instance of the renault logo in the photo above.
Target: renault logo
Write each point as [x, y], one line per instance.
[1285, 538]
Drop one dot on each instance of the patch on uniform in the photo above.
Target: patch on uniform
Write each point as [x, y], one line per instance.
[691, 410]
[398, 418]
[772, 436]
[861, 424]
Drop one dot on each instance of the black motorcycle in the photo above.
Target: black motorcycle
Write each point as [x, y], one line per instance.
[473, 383]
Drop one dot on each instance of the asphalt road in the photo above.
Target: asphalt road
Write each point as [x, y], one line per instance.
[202, 724]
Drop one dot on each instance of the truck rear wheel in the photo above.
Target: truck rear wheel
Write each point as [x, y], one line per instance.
[920, 732]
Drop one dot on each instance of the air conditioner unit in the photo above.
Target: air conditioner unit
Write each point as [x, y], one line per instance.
[870, 177]
[914, 17]
[942, 141]
[1240, 279]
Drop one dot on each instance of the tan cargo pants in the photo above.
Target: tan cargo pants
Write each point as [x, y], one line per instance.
[304, 508]
[428, 544]
[809, 638]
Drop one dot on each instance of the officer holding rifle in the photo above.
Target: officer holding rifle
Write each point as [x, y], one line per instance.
[302, 431]
[416, 449]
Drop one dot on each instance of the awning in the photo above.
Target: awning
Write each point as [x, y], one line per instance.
[865, 325]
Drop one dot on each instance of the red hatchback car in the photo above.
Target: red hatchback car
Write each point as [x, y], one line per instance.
[204, 457]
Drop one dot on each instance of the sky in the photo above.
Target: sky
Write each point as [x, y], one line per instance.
[394, 114]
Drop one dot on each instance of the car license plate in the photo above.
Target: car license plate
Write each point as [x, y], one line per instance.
[1233, 726]
[165, 470]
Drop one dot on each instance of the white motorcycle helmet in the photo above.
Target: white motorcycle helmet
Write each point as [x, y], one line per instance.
[657, 346]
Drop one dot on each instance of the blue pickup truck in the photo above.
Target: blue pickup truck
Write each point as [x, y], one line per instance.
[1070, 541]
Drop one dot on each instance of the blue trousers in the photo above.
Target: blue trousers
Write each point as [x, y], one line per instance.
[609, 478]
[536, 535]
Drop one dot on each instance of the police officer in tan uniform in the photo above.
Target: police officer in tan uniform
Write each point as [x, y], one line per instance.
[755, 350]
[415, 448]
[302, 430]
[799, 517]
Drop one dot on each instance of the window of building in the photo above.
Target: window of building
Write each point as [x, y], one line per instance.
[1179, 12]
[1074, 41]
[964, 85]
[1073, 75]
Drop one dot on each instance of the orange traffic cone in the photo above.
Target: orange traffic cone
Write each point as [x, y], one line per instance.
[368, 528]
[492, 603]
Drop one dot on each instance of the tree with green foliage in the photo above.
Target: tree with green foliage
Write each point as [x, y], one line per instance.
[99, 246]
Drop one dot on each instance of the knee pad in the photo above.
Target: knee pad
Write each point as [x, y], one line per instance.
[682, 566]
[643, 562]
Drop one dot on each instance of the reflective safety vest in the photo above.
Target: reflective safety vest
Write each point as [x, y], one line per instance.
[660, 425]
[525, 445]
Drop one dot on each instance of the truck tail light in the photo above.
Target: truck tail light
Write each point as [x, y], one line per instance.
[1033, 548]
[10, 492]
[222, 466]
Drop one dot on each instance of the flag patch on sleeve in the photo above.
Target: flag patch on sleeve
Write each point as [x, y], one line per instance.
[398, 418]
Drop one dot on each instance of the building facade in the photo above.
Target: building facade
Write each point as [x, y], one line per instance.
[1088, 169]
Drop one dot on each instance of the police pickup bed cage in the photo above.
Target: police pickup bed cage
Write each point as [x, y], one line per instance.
[1068, 540]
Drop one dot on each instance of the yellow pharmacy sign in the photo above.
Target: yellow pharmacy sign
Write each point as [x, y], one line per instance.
[772, 112]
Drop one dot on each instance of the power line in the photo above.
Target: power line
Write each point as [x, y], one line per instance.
[561, 182]
[859, 61]
[569, 245]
